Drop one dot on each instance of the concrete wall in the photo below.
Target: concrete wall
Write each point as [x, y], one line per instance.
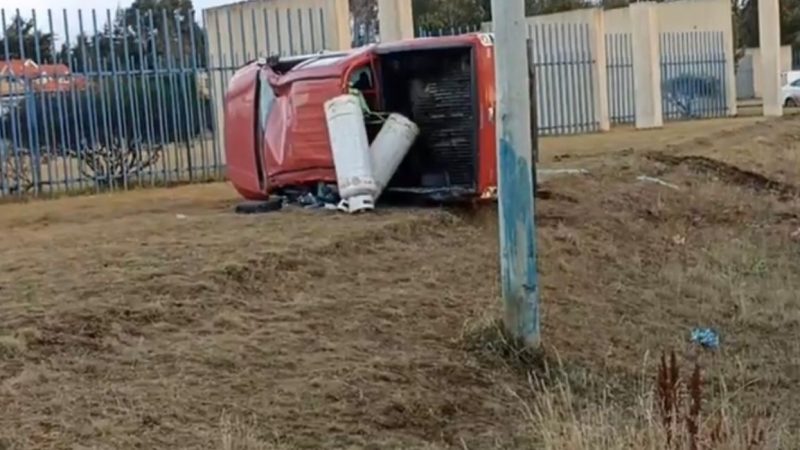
[241, 32]
[281, 26]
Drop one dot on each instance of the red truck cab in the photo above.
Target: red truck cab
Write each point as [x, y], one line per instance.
[276, 135]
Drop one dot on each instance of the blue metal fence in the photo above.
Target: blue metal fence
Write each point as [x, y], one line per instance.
[97, 100]
[693, 75]
[619, 68]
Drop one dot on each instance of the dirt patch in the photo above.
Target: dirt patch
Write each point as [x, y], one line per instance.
[159, 319]
[727, 173]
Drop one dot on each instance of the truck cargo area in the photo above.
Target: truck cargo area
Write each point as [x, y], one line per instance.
[435, 89]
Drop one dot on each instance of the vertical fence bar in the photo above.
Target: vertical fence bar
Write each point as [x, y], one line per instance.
[266, 32]
[159, 82]
[217, 132]
[105, 105]
[617, 69]
[693, 42]
[30, 120]
[46, 113]
[690, 59]
[581, 73]
[15, 117]
[714, 103]
[557, 75]
[667, 55]
[172, 99]
[311, 30]
[620, 76]
[91, 119]
[121, 135]
[571, 66]
[4, 79]
[591, 98]
[613, 66]
[256, 53]
[242, 28]
[300, 31]
[46, 96]
[218, 149]
[547, 82]
[289, 29]
[717, 77]
[201, 110]
[630, 89]
[278, 29]
[72, 144]
[586, 100]
[707, 106]
[188, 117]
[723, 62]
[133, 103]
[624, 92]
[322, 29]
[149, 109]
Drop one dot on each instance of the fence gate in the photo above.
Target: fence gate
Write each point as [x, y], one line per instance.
[693, 75]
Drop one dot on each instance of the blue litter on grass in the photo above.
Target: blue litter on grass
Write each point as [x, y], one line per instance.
[707, 337]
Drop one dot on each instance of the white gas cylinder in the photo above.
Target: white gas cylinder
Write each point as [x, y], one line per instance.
[350, 147]
[389, 148]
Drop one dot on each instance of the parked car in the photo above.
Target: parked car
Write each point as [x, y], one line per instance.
[791, 94]
[276, 135]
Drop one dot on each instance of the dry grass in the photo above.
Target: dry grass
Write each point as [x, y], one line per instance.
[159, 319]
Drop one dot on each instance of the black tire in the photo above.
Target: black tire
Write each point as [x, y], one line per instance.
[260, 207]
[790, 103]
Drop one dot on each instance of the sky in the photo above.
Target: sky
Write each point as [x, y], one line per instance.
[72, 7]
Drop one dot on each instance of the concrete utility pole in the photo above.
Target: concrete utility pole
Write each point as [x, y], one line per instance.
[515, 180]
[769, 33]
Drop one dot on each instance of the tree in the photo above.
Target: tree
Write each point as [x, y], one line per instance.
[24, 32]
[149, 33]
[436, 14]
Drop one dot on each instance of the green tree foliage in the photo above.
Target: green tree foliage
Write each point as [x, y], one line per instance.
[149, 33]
[24, 32]
[747, 21]
[434, 14]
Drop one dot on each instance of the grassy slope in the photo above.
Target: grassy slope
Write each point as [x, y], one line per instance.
[124, 325]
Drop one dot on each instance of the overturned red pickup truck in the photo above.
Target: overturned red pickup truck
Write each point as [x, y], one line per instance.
[276, 134]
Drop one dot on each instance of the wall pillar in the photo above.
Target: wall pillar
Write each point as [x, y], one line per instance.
[396, 19]
[646, 65]
[338, 25]
[769, 31]
[599, 69]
